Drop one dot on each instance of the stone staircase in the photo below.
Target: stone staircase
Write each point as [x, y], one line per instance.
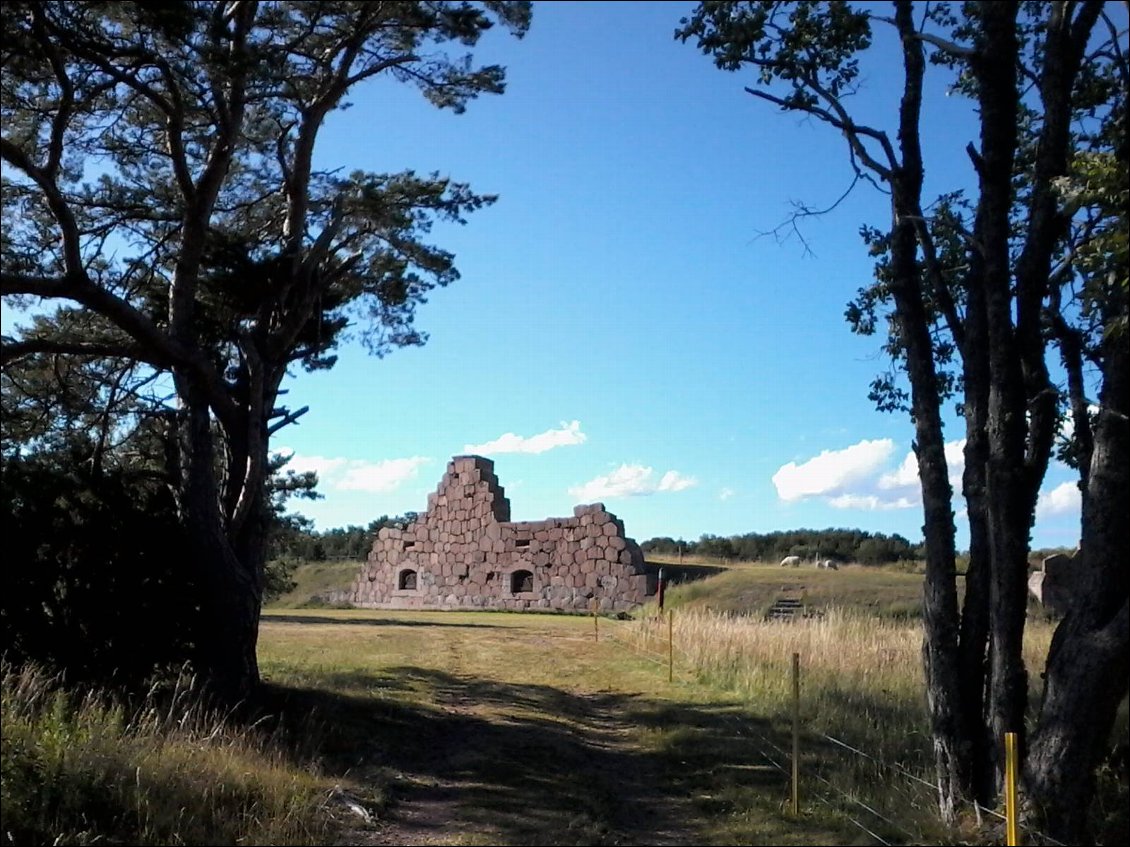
[786, 609]
[791, 605]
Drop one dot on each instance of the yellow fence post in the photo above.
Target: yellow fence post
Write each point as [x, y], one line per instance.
[670, 645]
[1010, 770]
[796, 733]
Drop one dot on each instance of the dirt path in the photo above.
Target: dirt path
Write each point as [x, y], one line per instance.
[498, 775]
[501, 757]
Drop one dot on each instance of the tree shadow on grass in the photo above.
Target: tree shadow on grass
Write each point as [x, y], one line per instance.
[276, 617]
[536, 764]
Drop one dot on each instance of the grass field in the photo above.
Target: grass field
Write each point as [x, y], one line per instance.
[524, 729]
[439, 728]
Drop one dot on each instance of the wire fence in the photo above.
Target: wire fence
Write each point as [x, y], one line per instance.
[845, 802]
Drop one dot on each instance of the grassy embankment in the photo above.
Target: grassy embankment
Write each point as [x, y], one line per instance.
[316, 582]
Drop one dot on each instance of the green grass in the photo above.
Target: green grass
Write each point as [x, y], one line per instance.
[314, 582]
[85, 769]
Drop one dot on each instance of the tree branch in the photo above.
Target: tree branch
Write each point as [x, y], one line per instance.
[12, 350]
[850, 130]
[157, 346]
[288, 419]
[958, 51]
[72, 253]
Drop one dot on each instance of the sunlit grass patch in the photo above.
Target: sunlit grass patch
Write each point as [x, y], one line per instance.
[80, 768]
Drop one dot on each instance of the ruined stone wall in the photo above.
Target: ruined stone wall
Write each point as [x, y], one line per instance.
[465, 552]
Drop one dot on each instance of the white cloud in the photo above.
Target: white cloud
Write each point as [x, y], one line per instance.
[833, 471]
[569, 434]
[381, 477]
[1062, 500]
[904, 477]
[857, 477]
[675, 481]
[726, 494]
[903, 483]
[631, 481]
[358, 475]
[870, 502]
[323, 466]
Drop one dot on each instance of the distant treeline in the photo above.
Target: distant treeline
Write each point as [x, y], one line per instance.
[295, 538]
[841, 545]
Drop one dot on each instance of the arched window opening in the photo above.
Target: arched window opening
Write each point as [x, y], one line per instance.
[407, 581]
[521, 581]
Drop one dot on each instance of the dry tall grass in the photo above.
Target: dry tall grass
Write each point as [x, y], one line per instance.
[84, 769]
[861, 687]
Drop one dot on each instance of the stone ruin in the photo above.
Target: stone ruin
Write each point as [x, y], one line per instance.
[1053, 585]
[465, 552]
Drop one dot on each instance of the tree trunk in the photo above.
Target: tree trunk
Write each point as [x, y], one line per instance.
[976, 609]
[972, 654]
[940, 608]
[949, 722]
[1007, 482]
[229, 591]
[1091, 646]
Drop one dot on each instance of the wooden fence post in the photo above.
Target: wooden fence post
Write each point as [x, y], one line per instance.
[796, 734]
[1010, 769]
[670, 645]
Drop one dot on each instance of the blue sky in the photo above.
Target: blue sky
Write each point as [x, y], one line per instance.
[625, 331]
[621, 332]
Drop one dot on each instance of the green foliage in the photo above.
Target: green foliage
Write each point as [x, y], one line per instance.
[840, 545]
[97, 578]
[295, 538]
[161, 196]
